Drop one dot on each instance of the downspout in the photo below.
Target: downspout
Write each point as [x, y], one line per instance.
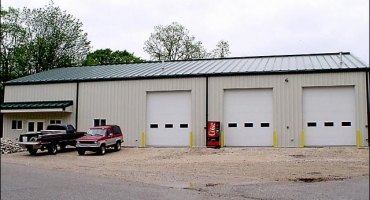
[77, 94]
[205, 135]
[367, 104]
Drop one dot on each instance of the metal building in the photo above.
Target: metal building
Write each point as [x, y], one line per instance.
[280, 100]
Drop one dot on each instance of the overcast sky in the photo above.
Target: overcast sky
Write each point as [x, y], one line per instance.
[252, 27]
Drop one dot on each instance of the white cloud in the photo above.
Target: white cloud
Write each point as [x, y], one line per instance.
[253, 27]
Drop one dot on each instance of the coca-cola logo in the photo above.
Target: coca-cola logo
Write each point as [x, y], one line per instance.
[212, 129]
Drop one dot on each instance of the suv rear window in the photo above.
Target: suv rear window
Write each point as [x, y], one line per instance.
[116, 130]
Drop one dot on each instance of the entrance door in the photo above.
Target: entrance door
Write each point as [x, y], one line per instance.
[35, 126]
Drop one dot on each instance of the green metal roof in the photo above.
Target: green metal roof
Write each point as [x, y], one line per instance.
[321, 62]
[35, 105]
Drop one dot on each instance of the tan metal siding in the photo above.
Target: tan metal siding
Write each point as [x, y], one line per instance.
[124, 103]
[288, 99]
[47, 92]
[14, 134]
[44, 92]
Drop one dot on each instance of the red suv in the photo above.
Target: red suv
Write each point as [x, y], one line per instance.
[99, 138]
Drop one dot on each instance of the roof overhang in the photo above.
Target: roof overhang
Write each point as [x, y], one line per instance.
[36, 106]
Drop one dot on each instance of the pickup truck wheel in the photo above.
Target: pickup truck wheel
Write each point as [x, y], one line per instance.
[62, 147]
[52, 149]
[32, 151]
[81, 152]
[101, 150]
[117, 147]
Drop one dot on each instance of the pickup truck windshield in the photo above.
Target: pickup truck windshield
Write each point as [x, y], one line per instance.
[100, 132]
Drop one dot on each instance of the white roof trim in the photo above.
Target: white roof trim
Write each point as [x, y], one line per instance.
[36, 110]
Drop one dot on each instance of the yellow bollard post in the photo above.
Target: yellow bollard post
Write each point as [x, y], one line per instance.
[302, 138]
[358, 138]
[191, 139]
[274, 144]
[222, 142]
[142, 141]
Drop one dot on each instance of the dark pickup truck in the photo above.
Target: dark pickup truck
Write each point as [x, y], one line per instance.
[55, 135]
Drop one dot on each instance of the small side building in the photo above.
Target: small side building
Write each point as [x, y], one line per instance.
[281, 100]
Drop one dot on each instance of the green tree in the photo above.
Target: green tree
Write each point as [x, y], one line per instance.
[55, 38]
[172, 42]
[12, 45]
[107, 56]
[222, 50]
[36, 40]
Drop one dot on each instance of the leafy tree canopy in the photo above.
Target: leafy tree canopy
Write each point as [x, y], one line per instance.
[36, 40]
[222, 50]
[173, 42]
[107, 56]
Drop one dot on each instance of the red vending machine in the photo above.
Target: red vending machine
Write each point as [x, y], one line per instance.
[213, 134]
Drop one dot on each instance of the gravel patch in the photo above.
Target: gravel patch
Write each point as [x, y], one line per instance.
[208, 167]
[8, 146]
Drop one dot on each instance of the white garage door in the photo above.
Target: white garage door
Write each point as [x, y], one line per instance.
[168, 118]
[329, 116]
[248, 117]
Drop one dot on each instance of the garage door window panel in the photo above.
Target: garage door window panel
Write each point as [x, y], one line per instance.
[264, 124]
[329, 124]
[248, 124]
[346, 124]
[311, 124]
[232, 125]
